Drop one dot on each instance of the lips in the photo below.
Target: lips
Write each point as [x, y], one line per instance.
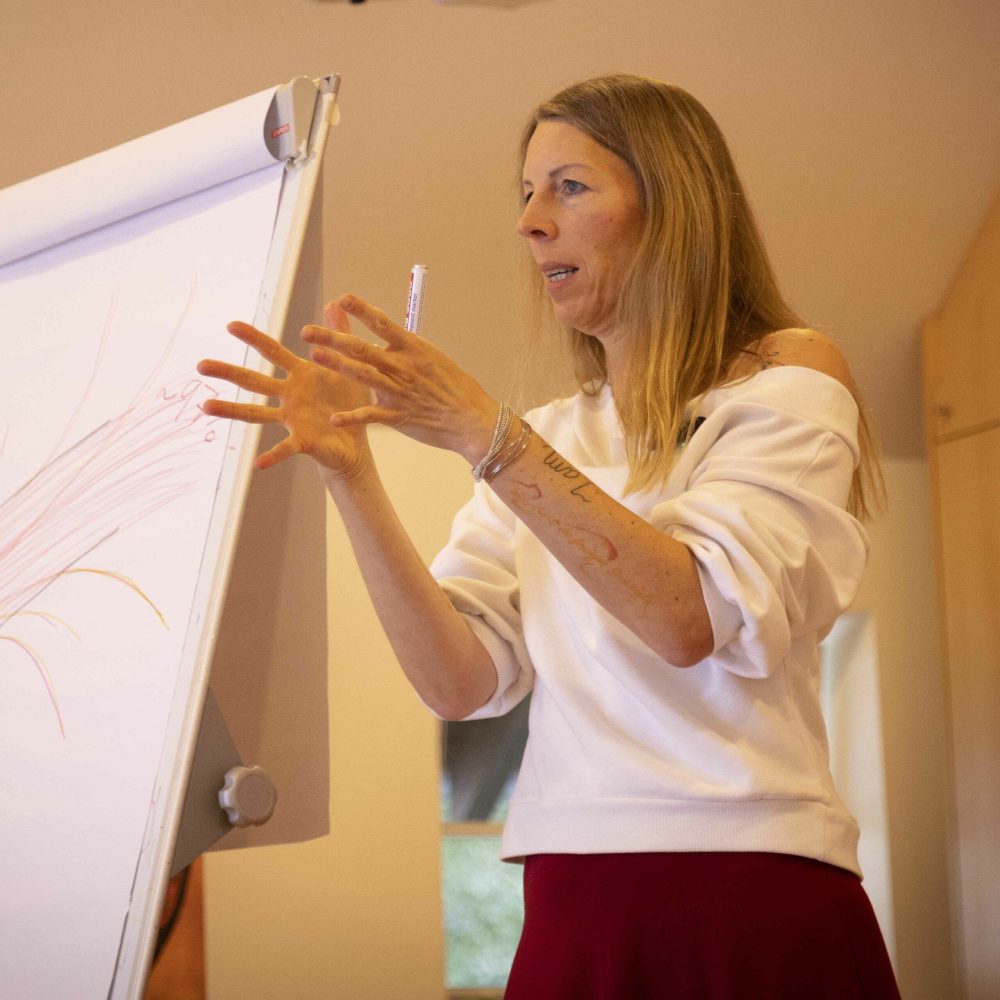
[556, 271]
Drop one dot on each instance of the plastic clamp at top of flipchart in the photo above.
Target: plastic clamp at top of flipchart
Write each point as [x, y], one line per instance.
[302, 171]
[298, 187]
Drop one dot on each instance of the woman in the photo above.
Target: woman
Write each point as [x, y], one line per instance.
[656, 559]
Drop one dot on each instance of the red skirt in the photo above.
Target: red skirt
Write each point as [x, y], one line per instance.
[696, 926]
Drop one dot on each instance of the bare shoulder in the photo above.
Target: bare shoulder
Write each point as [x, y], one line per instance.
[803, 348]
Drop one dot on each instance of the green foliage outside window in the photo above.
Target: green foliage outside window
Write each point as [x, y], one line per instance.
[483, 911]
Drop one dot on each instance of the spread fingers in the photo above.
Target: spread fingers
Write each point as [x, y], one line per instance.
[263, 385]
[376, 320]
[353, 349]
[247, 413]
[374, 376]
[267, 347]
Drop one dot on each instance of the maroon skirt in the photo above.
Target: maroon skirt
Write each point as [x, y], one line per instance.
[696, 926]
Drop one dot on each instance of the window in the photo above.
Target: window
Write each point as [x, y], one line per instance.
[482, 894]
[851, 700]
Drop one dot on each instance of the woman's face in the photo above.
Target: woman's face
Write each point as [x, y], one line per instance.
[582, 221]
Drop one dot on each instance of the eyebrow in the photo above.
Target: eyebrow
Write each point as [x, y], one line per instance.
[559, 170]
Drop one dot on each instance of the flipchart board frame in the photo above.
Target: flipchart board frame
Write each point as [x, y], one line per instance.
[179, 826]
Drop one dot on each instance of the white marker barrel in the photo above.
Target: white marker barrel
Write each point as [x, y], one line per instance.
[415, 300]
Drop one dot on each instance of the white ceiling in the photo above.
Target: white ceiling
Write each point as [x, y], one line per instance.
[866, 130]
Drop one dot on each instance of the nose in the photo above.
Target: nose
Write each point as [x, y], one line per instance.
[536, 221]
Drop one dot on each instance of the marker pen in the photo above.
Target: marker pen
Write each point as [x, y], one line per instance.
[415, 300]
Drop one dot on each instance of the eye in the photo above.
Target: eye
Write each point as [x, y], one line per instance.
[568, 186]
[525, 197]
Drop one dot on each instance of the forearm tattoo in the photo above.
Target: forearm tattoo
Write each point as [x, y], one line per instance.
[564, 469]
[556, 464]
[592, 545]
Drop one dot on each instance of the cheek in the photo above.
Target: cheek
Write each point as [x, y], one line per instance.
[626, 239]
[617, 235]
[618, 245]
[609, 229]
[604, 243]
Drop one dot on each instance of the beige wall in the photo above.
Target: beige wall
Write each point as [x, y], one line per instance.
[899, 593]
[865, 133]
[355, 915]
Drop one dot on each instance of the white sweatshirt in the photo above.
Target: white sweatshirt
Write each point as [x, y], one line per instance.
[626, 752]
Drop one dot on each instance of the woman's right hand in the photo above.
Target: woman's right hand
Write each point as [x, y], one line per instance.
[306, 398]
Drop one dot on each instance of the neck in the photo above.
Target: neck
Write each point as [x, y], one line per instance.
[614, 362]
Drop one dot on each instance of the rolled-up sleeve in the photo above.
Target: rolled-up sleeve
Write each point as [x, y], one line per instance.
[477, 572]
[762, 511]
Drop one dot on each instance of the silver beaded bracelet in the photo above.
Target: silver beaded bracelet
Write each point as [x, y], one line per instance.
[504, 420]
[516, 448]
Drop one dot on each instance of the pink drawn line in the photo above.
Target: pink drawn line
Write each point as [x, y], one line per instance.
[99, 479]
[101, 347]
[130, 467]
[45, 677]
[154, 374]
[101, 350]
[125, 470]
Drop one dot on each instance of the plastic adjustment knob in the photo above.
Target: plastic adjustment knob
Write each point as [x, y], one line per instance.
[248, 796]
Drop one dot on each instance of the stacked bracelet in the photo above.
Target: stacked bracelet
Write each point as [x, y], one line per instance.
[504, 419]
[510, 453]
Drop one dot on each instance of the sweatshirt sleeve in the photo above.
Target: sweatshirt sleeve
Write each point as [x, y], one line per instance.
[766, 480]
[476, 570]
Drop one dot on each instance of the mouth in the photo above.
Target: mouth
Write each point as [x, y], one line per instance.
[557, 273]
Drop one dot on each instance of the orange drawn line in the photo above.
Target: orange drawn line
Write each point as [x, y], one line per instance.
[51, 619]
[121, 578]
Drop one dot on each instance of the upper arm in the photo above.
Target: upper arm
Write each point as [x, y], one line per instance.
[765, 481]
[800, 347]
[478, 574]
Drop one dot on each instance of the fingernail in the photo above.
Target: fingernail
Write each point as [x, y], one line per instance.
[347, 301]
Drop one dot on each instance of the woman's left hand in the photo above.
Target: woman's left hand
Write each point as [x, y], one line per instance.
[416, 387]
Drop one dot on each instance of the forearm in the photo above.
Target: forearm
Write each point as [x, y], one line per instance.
[440, 655]
[642, 576]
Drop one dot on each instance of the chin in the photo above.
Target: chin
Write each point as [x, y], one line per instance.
[574, 321]
[598, 332]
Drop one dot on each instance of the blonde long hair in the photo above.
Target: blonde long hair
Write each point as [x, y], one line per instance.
[701, 289]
